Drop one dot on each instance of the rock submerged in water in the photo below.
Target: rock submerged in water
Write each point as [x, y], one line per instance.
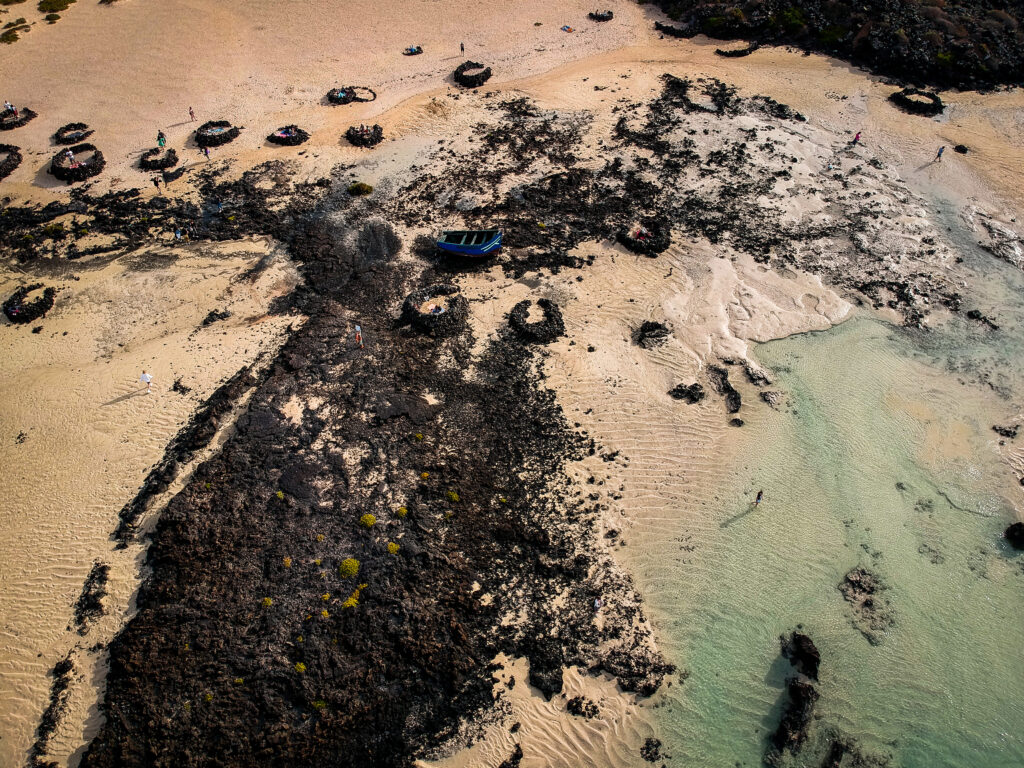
[802, 653]
[1015, 535]
[872, 612]
[792, 730]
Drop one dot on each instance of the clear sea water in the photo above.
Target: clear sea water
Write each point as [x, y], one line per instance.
[883, 457]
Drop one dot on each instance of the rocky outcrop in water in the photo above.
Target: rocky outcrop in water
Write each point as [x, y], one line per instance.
[796, 718]
[872, 613]
[1015, 535]
[799, 649]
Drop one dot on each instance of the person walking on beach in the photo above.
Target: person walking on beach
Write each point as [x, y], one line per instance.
[147, 379]
[156, 183]
[856, 139]
[177, 235]
[359, 336]
[462, 47]
[938, 157]
[191, 114]
[160, 139]
[757, 501]
[206, 151]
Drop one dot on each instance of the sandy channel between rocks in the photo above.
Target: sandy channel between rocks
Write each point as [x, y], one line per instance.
[80, 432]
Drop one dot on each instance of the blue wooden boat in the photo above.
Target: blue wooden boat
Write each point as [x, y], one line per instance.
[475, 242]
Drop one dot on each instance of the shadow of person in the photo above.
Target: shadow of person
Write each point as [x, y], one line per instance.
[122, 398]
[736, 518]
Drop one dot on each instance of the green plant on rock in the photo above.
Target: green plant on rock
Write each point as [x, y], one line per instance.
[367, 520]
[359, 188]
[280, 495]
[239, 681]
[319, 704]
[267, 602]
[300, 667]
[349, 567]
[453, 496]
[287, 562]
[208, 697]
[402, 511]
[393, 548]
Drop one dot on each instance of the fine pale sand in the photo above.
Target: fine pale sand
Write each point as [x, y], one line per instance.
[135, 67]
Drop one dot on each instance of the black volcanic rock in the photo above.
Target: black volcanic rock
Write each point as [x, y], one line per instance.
[1015, 535]
[802, 653]
[967, 44]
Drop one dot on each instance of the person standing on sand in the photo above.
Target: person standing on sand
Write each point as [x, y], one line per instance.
[359, 336]
[160, 139]
[191, 114]
[147, 379]
[462, 47]
[938, 157]
[156, 183]
[757, 501]
[206, 151]
[856, 139]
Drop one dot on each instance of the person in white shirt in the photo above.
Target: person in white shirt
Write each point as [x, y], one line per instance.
[147, 379]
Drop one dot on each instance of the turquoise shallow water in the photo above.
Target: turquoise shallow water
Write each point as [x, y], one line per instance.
[883, 458]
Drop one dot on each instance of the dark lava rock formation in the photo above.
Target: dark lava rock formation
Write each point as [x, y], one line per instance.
[365, 136]
[651, 334]
[691, 394]
[736, 53]
[437, 309]
[802, 654]
[90, 603]
[872, 614]
[1015, 535]
[719, 378]
[918, 102]
[215, 133]
[600, 15]
[350, 93]
[276, 628]
[92, 164]
[650, 238]
[72, 133]
[542, 331]
[651, 750]
[12, 159]
[157, 159]
[18, 310]
[471, 74]
[581, 706]
[801, 697]
[9, 122]
[968, 44]
[288, 136]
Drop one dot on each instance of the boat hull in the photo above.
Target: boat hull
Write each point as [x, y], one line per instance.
[491, 246]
